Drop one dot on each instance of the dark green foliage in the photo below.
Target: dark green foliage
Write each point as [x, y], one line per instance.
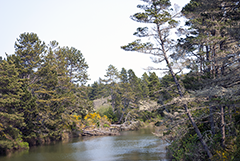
[28, 49]
[37, 93]
[154, 86]
[144, 84]
[146, 115]
[76, 65]
[135, 85]
[124, 76]
[169, 89]
[11, 116]
[111, 115]
[191, 82]
[94, 91]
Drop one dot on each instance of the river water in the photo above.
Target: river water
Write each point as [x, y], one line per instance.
[138, 145]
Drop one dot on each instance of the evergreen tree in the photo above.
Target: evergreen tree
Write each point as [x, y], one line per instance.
[76, 65]
[94, 91]
[49, 102]
[28, 49]
[65, 87]
[144, 84]
[125, 92]
[83, 105]
[12, 120]
[154, 86]
[135, 85]
[112, 77]
[162, 17]
[169, 90]
[209, 40]
[124, 76]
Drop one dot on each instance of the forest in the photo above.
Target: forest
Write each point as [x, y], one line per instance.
[43, 91]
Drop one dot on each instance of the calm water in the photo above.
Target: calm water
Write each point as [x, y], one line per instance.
[129, 146]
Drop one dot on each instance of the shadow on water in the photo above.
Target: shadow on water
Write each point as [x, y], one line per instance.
[129, 146]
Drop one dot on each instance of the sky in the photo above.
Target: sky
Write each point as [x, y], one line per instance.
[98, 28]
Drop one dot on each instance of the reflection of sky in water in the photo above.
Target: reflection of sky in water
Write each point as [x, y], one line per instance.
[130, 146]
[124, 147]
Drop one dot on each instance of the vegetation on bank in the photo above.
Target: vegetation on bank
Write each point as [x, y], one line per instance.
[43, 92]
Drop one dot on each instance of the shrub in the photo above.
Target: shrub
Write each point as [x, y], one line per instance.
[106, 125]
[94, 119]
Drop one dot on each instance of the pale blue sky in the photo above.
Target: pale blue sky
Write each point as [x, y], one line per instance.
[95, 27]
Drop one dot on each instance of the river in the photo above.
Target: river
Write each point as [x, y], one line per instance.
[138, 145]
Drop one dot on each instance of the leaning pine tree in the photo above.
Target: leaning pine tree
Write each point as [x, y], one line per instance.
[162, 19]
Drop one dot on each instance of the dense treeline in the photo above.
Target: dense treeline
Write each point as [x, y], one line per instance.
[127, 92]
[41, 88]
[202, 115]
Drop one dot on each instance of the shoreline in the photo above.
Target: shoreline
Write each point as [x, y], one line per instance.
[113, 130]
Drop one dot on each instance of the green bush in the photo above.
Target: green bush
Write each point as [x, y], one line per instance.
[21, 144]
[6, 144]
[102, 109]
[110, 114]
[106, 125]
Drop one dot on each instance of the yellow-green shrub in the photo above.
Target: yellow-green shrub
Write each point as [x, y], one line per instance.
[94, 119]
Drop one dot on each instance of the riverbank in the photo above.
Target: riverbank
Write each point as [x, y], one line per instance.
[129, 145]
[112, 130]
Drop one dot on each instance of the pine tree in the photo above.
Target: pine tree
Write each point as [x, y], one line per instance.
[154, 86]
[169, 89]
[94, 91]
[162, 19]
[112, 77]
[28, 49]
[76, 65]
[65, 87]
[12, 119]
[209, 39]
[134, 82]
[125, 92]
[144, 84]
[49, 102]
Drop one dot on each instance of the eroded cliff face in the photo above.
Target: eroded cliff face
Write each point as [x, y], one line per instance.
[102, 102]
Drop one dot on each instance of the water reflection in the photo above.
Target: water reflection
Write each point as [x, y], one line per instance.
[129, 146]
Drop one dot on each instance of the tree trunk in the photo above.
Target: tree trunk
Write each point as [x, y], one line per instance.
[188, 112]
[181, 95]
[212, 121]
[198, 132]
[119, 121]
[223, 126]
[112, 97]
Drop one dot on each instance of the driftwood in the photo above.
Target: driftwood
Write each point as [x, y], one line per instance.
[114, 129]
[99, 132]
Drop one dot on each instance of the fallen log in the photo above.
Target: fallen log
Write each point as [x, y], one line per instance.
[96, 132]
